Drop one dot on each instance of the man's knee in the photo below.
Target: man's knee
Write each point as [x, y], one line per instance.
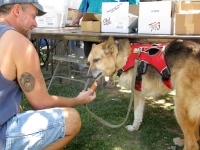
[72, 120]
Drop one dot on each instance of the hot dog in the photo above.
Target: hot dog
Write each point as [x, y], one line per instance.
[94, 85]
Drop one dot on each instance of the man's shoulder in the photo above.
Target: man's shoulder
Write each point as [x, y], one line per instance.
[14, 37]
[16, 44]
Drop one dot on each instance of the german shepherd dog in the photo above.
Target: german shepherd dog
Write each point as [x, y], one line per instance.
[183, 60]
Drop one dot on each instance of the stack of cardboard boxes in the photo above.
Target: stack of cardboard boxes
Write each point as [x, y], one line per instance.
[155, 17]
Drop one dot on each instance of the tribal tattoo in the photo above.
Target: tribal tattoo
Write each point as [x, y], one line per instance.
[27, 82]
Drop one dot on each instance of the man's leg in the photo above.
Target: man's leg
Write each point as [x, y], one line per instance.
[73, 125]
[49, 128]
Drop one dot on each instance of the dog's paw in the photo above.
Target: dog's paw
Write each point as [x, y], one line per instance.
[131, 128]
[178, 141]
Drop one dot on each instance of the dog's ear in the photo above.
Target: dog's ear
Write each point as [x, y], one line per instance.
[108, 48]
[111, 39]
[108, 45]
[93, 45]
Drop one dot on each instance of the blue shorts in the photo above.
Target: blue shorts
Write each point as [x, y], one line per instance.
[34, 130]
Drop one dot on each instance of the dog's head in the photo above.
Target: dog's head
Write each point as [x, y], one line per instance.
[102, 58]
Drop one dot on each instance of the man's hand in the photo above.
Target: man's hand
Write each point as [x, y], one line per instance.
[85, 97]
[76, 21]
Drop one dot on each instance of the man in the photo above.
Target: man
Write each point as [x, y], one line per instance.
[53, 123]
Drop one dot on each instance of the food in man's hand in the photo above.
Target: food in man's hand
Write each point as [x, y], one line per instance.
[94, 86]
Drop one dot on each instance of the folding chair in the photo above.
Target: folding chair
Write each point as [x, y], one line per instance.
[69, 59]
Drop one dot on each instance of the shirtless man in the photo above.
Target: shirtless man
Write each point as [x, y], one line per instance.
[53, 123]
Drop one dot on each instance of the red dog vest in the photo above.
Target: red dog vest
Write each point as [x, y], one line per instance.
[148, 54]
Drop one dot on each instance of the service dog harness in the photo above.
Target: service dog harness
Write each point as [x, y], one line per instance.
[148, 54]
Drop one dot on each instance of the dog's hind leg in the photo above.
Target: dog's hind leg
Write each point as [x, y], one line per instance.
[139, 101]
[189, 125]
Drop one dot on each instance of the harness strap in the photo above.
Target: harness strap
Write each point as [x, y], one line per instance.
[142, 67]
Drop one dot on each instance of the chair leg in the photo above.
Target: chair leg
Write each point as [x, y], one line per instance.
[53, 76]
[69, 68]
[86, 84]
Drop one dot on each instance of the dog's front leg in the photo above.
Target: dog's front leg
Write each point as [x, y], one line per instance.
[139, 101]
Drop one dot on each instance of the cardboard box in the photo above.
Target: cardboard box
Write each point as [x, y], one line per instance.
[190, 6]
[134, 9]
[155, 25]
[120, 24]
[187, 19]
[124, 8]
[115, 8]
[121, 19]
[155, 9]
[71, 14]
[51, 20]
[91, 22]
[187, 24]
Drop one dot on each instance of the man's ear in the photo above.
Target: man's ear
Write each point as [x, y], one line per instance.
[17, 10]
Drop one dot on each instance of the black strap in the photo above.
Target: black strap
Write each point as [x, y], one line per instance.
[165, 74]
[142, 68]
[119, 72]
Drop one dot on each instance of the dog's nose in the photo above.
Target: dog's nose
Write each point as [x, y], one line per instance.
[88, 63]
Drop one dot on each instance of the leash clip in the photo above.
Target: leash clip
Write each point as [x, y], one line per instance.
[139, 52]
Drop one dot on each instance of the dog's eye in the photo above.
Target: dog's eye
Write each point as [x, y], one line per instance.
[96, 60]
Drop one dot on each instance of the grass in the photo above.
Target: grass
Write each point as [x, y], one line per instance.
[157, 131]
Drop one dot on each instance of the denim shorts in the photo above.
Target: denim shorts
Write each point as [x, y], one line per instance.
[34, 130]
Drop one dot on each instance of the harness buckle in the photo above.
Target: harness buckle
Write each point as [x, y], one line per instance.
[139, 51]
[142, 67]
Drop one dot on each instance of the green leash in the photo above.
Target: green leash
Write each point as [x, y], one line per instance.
[130, 103]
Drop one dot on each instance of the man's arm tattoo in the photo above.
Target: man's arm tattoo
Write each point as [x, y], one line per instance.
[27, 82]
